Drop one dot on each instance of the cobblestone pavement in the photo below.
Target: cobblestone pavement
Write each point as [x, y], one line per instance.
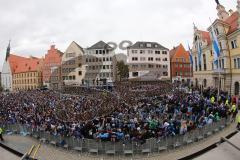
[47, 152]
[6, 155]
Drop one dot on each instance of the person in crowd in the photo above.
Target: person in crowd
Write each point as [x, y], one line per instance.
[1, 134]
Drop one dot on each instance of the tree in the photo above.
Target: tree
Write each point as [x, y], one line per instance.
[122, 70]
[1, 88]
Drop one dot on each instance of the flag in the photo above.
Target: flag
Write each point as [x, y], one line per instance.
[190, 55]
[216, 48]
[199, 53]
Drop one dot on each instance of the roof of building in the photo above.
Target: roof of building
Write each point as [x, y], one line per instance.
[179, 52]
[233, 22]
[100, 45]
[21, 64]
[152, 45]
[205, 36]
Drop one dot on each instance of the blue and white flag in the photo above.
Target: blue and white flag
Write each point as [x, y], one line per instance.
[190, 55]
[199, 53]
[216, 47]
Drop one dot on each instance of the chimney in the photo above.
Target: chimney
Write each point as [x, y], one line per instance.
[52, 46]
[230, 12]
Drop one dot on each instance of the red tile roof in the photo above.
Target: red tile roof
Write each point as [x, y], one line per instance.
[179, 52]
[233, 22]
[205, 36]
[20, 64]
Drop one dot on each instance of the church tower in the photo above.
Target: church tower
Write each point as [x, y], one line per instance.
[222, 13]
[8, 51]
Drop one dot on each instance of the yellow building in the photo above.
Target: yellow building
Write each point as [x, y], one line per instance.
[226, 72]
[26, 72]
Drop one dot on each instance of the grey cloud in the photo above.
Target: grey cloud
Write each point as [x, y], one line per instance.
[33, 25]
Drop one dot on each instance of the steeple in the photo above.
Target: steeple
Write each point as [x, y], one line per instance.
[8, 50]
[222, 13]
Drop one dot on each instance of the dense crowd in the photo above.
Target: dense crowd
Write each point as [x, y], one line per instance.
[129, 112]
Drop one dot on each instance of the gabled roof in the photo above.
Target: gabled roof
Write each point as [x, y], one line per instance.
[100, 45]
[233, 22]
[179, 52]
[19, 64]
[205, 36]
[143, 45]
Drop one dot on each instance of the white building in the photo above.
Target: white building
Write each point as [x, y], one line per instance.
[100, 64]
[72, 68]
[148, 61]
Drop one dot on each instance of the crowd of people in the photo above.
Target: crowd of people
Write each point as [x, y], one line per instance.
[128, 113]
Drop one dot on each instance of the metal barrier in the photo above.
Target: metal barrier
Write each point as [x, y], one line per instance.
[112, 148]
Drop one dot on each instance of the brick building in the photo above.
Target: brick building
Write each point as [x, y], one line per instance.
[52, 68]
[180, 64]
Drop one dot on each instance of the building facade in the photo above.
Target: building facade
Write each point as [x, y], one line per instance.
[100, 62]
[52, 68]
[181, 68]
[72, 67]
[148, 61]
[223, 73]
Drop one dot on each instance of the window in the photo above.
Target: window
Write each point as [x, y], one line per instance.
[150, 58]
[150, 66]
[165, 59]
[164, 52]
[222, 63]
[195, 63]
[141, 45]
[157, 52]
[211, 52]
[238, 61]
[220, 44]
[142, 58]
[165, 66]
[150, 51]
[73, 77]
[158, 59]
[135, 74]
[70, 55]
[134, 58]
[165, 73]
[204, 62]
[142, 51]
[134, 66]
[235, 63]
[216, 31]
[234, 44]
[149, 45]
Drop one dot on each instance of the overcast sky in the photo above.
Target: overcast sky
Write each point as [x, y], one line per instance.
[33, 25]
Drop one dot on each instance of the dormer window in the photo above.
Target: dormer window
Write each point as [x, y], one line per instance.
[149, 45]
[141, 45]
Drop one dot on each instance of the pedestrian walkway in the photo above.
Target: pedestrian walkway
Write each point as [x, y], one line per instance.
[224, 151]
[48, 152]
